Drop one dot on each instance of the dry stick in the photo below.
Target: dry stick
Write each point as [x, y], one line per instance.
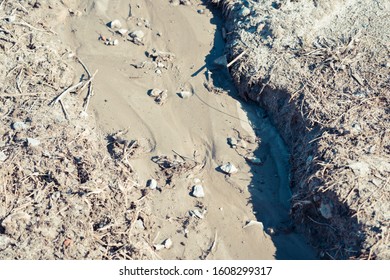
[88, 81]
[234, 60]
[184, 157]
[33, 28]
[90, 93]
[63, 109]
[84, 66]
[213, 245]
[17, 95]
[322, 224]
[18, 80]
[59, 97]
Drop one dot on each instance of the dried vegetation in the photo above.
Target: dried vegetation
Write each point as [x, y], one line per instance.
[61, 194]
[322, 71]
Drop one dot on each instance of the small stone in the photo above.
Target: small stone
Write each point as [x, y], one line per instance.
[83, 114]
[185, 94]
[115, 42]
[244, 11]
[175, 3]
[152, 184]
[232, 142]
[139, 34]
[155, 92]
[252, 223]
[198, 191]
[3, 156]
[33, 142]
[158, 71]
[325, 210]
[185, 2]
[229, 168]
[159, 247]
[162, 97]
[19, 126]
[197, 213]
[11, 18]
[201, 11]
[254, 160]
[168, 243]
[361, 169]
[139, 224]
[122, 31]
[5, 241]
[115, 24]
[77, 13]
[139, 23]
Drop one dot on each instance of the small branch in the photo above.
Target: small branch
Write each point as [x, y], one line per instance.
[322, 224]
[18, 95]
[64, 110]
[90, 93]
[85, 67]
[18, 80]
[88, 81]
[34, 28]
[184, 157]
[59, 97]
[234, 60]
[130, 13]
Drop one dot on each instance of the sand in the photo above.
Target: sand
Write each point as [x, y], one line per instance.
[201, 123]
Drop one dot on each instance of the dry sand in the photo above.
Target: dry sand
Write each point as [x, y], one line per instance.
[201, 123]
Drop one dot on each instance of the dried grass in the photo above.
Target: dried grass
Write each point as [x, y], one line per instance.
[65, 198]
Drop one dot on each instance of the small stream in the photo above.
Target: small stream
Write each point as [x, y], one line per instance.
[270, 185]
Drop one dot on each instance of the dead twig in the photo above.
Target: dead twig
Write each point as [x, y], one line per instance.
[64, 109]
[59, 97]
[34, 28]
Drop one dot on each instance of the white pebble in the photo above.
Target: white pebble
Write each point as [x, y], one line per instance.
[198, 191]
[33, 142]
[115, 24]
[152, 184]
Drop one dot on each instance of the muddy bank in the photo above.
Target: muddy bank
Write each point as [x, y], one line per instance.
[320, 69]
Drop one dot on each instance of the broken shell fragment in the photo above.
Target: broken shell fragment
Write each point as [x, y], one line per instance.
[229, 168]
[115, 24]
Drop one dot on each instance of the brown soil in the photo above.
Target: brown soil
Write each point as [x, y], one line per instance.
[321, 71]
